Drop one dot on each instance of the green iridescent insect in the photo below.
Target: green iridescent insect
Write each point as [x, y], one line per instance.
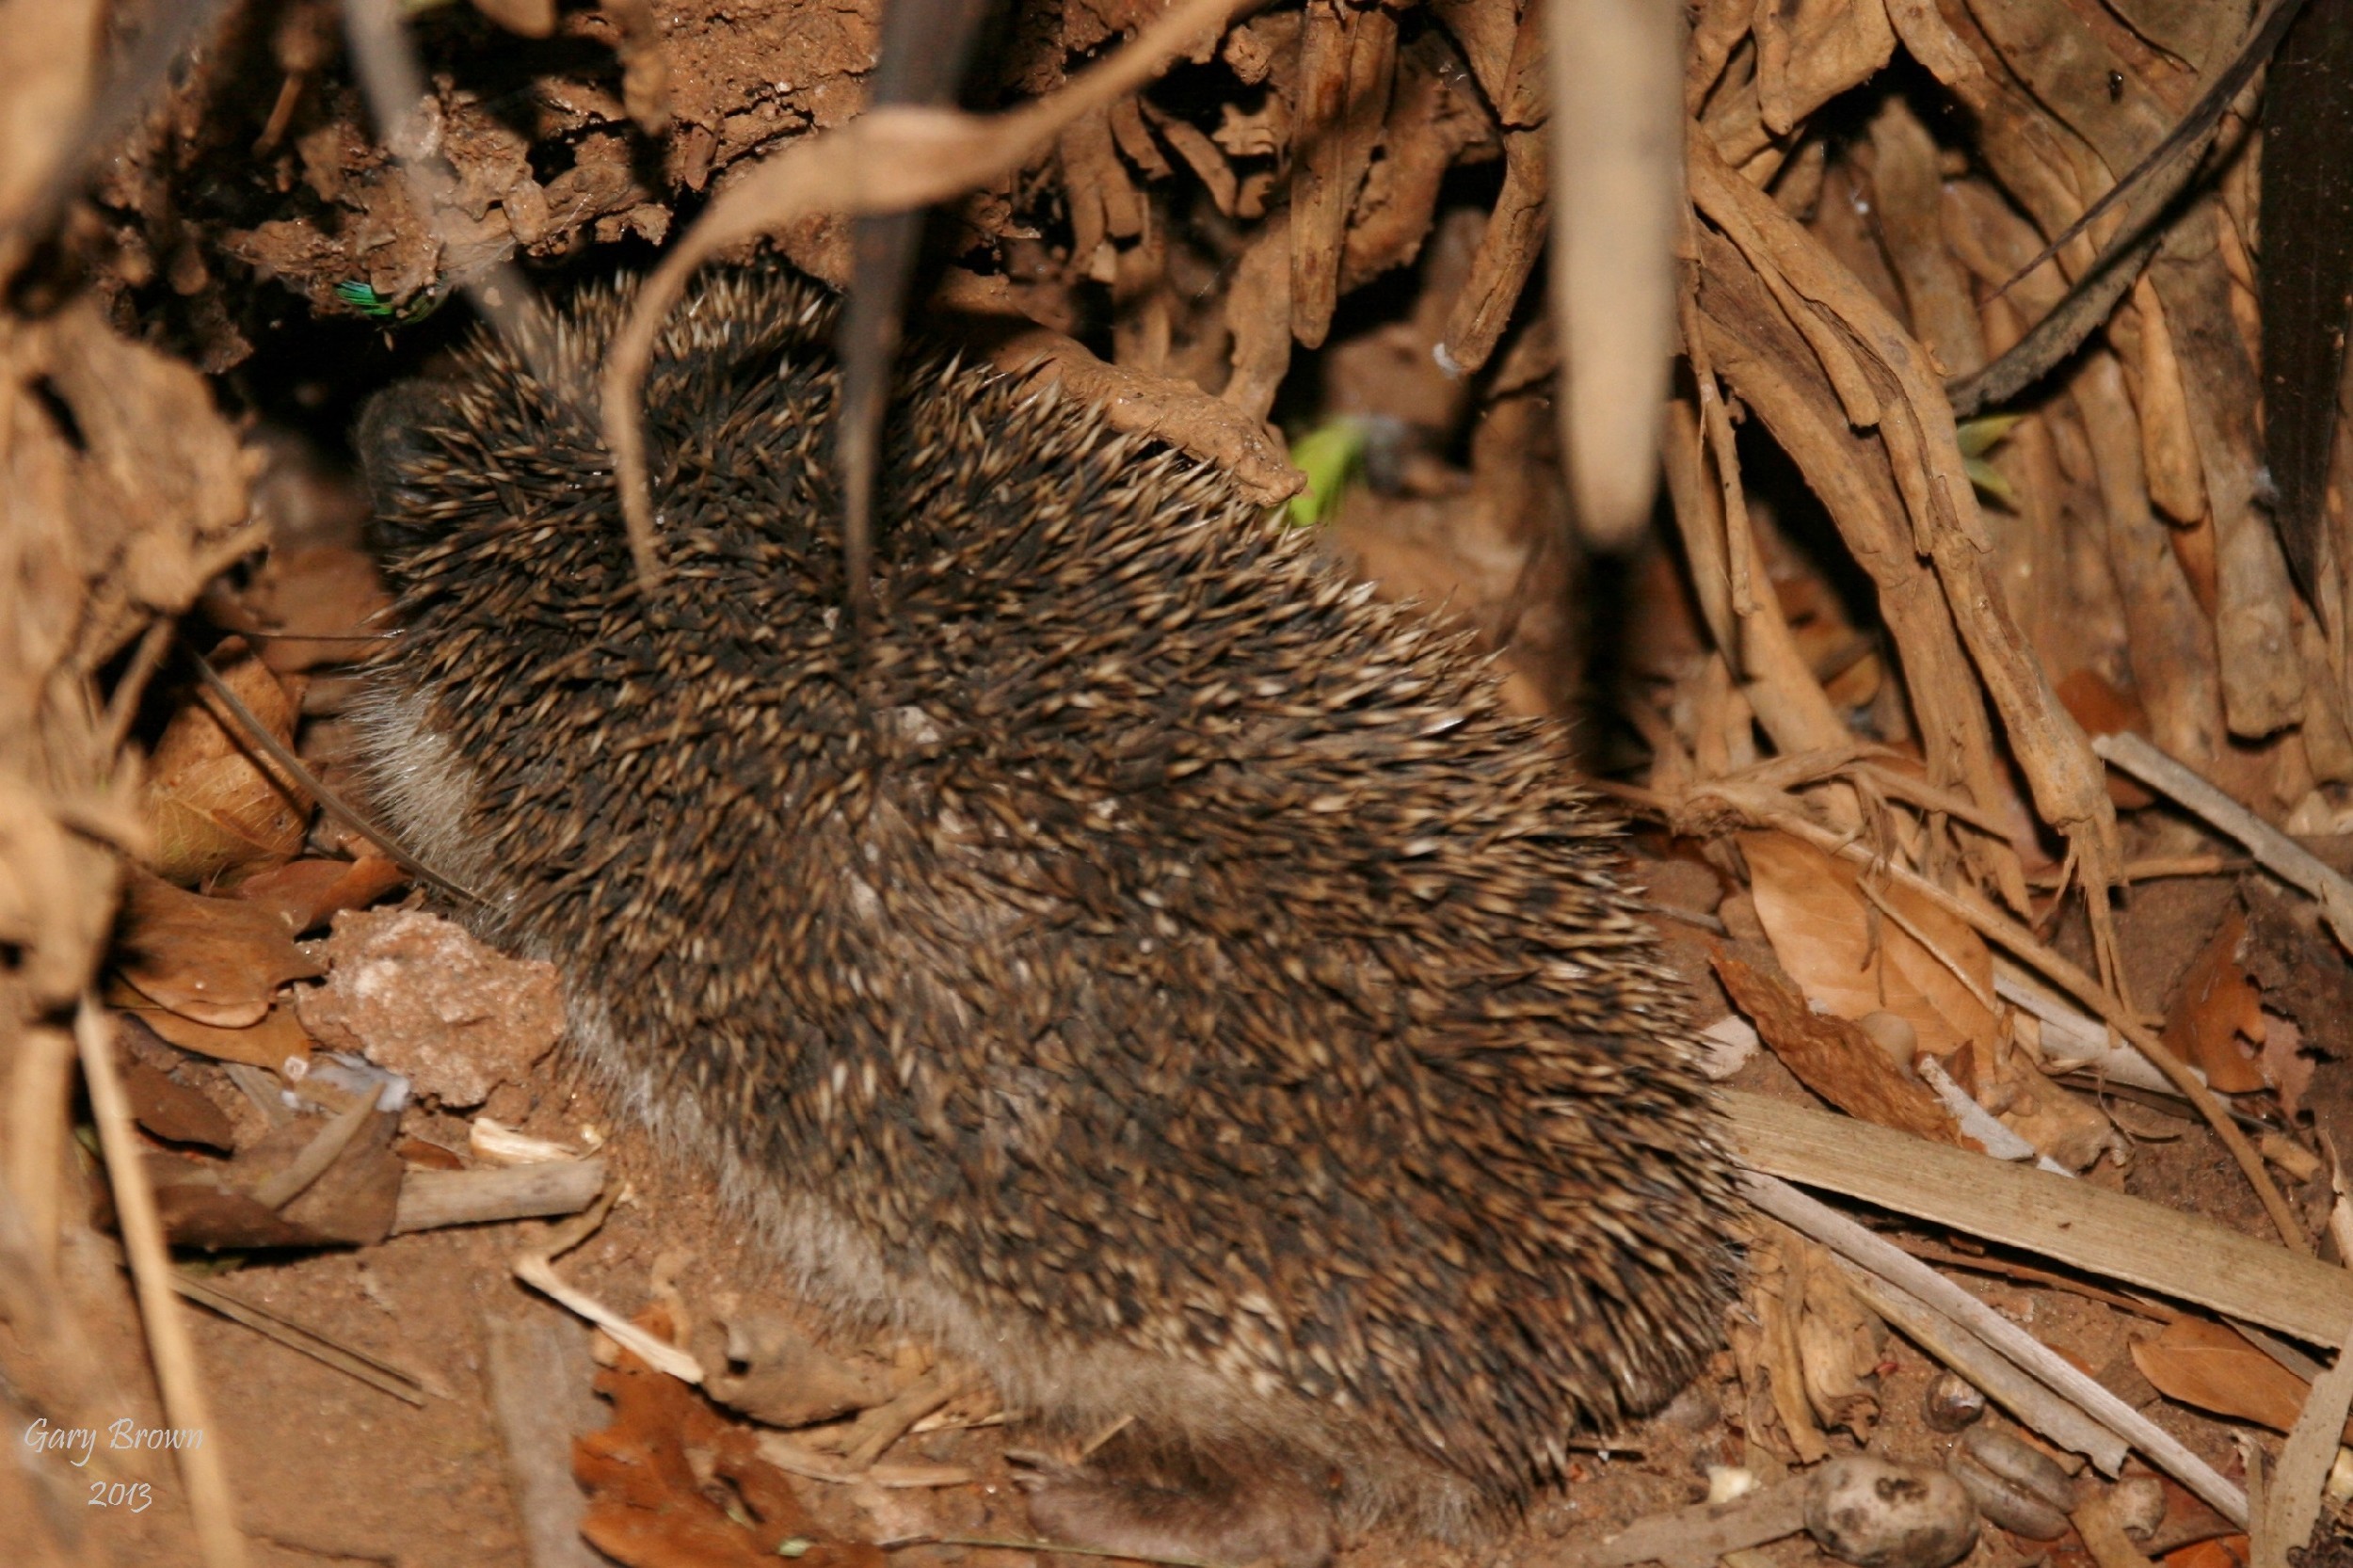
[363, 299]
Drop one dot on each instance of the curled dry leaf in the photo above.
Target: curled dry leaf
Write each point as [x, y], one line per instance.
[304, 893]
[787, 1378]
[213, 960]
[213, 808]
[649, 1503]
[1852, 959]
[352, 1201]
[2219, 1005]
[277, 1039]
[172, 1111]
[1840, 1343]
[2207, 1364]
[1834, 1057]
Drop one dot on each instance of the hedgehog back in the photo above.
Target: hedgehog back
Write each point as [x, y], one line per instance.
[1141, 933]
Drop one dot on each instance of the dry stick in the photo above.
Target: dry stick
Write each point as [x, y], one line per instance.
[2006, 1385]
[887, 160]
[122, 707]
[39, 1110]
[1852, 1240]
[2292, 1506]
[1616, 134]
[2273, 850]
[2018, 939]
[217, 1539]
[311, 1160]
[380, 1375]
[1788, 701]
[2179, 1256]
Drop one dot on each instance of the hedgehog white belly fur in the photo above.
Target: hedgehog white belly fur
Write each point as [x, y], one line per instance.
[1162, 976]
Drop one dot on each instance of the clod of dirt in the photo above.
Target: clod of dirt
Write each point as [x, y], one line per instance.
[787, 1380]
[416, 994]
[1878, 1515]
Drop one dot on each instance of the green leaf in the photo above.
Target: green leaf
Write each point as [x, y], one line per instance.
[1989, 481]
[1980, 436]
[1330, 455]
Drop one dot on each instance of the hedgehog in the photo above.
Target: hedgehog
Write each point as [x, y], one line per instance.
[1137, 961]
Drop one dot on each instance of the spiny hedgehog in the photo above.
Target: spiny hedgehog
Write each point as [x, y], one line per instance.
[1143, 964]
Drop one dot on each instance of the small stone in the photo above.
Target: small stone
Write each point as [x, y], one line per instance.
[1952, 1402]
[1878, 1515]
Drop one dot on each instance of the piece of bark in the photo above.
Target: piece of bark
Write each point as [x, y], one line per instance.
[2171, 643]
[1432, 124]
[540, 1374]
[1348, 57]
[1258, 314]
[1810, 51]
[1200, 154]
[1756, 349]
[1918, 431]
[2176, 1254]
[431, 1199]
[1515, 234]
[1834, 1057]
[2263, 676]
[1908, 185]
[2169, 446]
[985, 315]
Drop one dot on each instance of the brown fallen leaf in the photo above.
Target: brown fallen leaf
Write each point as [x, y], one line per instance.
[353, 1201]
[321, 602]
[2285, 1066]
[172, 1111]
[647, 1506]
[200, 1209]
[2220, 1551]
[304, 893]
[1834, 1057]
[212, 807]
[2218, 1005]
[279, 1036]
[215, 960]
[1851, 959]
[2216, 1368]
[2101, 710]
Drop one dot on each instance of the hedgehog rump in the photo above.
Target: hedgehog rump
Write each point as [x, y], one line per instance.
[1148, 964]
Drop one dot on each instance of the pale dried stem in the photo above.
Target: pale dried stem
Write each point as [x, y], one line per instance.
[1851, 1241]
[2273, 850]
[219, 1543]
[2002, 1381]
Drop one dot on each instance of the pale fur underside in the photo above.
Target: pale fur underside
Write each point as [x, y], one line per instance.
[1070, 1386]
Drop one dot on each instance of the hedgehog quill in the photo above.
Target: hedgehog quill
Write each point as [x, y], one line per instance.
[1144, 965]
